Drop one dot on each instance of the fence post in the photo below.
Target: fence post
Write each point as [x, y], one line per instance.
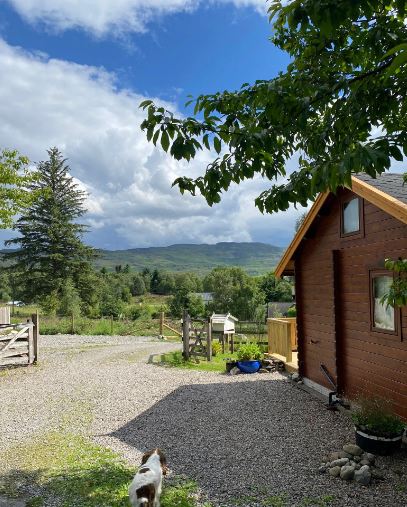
[36, 334]
[162, 316]
[111, 325]
[72, 324]
[209, 341]
[185, 334]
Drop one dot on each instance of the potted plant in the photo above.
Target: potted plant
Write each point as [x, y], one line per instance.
[249, 355]
[378, 430]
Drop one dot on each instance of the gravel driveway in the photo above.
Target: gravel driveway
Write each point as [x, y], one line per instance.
[239, 436]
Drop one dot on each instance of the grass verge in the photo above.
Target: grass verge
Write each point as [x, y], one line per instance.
[78, 472]
[175, 360]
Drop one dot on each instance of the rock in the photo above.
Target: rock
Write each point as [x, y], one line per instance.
[300, 382]
[365, 468]
[362, 477]
[367, 456]
[347, 472]
[267, 362]
[339, 462]
[356, 459]
[263, 370]
[343, 454]
[333, 456]
[322, 469]
[234, 371]
[295, 377]
[334, 471]
[364, 462]
[353, 449]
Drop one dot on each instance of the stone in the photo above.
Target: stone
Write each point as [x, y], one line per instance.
[362, 477]
[356, 459]
[263, 370]
[234, 371]
[347, 472]
[300, 382]
[365, 468]
[357, 466]
[353, 449]
[368, 456]
[343, 454]
[267, 362]
[364, 462]
[322, 469]
[334, 471]
[333, 456]
[339, 462]
[295, 377]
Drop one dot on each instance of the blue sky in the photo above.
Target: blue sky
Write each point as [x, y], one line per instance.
[76, 73]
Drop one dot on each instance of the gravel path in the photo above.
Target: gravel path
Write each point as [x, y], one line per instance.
[239, 437]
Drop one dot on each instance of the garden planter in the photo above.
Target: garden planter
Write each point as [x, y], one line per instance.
[377, 445]
[249, 366]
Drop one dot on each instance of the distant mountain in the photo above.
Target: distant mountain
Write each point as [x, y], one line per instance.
[255, 258]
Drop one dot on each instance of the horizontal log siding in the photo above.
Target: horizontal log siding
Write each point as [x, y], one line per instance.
[371, 362]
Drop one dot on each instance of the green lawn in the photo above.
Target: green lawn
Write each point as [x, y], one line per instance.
[175, 359]
[78, 472]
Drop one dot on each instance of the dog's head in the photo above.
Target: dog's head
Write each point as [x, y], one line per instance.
[160, 454]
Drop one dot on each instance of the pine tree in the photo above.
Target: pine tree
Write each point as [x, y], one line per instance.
[50, 249]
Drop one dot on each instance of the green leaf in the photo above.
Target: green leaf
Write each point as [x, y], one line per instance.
[165, 141]
[217, 145]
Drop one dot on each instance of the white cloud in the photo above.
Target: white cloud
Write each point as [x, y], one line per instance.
[45, 103]
[116, 16]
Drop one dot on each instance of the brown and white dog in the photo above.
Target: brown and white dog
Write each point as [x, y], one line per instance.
[145, 489]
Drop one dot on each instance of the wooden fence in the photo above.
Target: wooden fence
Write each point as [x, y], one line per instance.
[164, 325]
[282, 336]
[19, 343]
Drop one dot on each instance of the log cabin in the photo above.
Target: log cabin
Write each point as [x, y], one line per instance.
[347, 340]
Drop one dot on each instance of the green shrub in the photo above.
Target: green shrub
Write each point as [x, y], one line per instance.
[249, 352]
[292, 312]
[216, 348]
[374, 415]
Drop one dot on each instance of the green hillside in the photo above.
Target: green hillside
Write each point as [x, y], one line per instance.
[255, 258]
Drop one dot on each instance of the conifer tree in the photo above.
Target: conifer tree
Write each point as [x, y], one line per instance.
[50, 250]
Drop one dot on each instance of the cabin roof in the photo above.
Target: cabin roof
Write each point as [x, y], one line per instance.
[387, 192]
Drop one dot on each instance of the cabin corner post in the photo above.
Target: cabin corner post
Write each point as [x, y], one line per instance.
[299, 316]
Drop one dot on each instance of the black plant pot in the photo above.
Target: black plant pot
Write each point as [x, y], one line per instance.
[377, 445]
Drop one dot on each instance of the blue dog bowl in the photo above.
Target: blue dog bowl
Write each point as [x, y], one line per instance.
[249, 366]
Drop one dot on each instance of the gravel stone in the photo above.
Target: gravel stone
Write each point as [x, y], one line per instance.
[232, 434]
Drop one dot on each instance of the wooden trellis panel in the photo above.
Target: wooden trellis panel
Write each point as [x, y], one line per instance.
[197, 341]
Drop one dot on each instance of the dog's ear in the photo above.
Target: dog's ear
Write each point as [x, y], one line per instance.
[163, 461]
[145, 457]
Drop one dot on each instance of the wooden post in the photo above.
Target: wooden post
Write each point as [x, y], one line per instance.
[209, 341]
[223, 343]
[185, 334]
[72, 324]
[36, 334]
[30, 341]
[162, 316]
[111, 325]
[232, 343]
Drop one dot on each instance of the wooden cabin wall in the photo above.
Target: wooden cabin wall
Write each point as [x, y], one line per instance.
[336, 331]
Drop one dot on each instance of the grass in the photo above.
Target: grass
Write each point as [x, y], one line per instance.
[80, 473]
[175, 360]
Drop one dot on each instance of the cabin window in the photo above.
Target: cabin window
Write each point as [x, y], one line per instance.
[383, 316]
[351, 216]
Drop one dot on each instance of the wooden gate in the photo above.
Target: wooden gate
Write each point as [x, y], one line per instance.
[196, 337]
[19, 343]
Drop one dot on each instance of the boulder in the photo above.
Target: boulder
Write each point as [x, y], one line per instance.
[347, 472]
[353, 449]
[339, 462]
[362, 477]
[334, 471]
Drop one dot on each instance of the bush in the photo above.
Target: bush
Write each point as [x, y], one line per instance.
[292, 312]
[374, 415]
[249, 352]
[137, 312]
[216, 348]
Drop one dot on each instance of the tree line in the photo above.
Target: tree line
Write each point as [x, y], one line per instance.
[51, 266]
